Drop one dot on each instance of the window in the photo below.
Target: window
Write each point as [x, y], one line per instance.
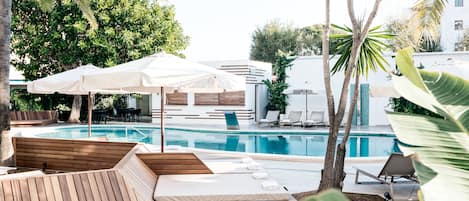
[458, 3]
[458, 25]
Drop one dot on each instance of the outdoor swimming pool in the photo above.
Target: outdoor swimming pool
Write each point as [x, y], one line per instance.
[301, 143]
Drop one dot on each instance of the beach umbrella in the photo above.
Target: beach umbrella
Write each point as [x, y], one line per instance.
[306, 92]
[69, 82]
[163, 72]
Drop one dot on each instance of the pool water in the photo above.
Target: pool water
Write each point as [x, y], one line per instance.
[269, 142]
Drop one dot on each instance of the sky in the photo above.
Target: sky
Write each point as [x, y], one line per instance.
[222, 29]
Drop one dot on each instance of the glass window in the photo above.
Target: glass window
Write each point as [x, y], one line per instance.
[458, 25]
[458, 3]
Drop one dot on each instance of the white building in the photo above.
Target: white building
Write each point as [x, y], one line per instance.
[209, 108]
[454, 21]
[307, 72]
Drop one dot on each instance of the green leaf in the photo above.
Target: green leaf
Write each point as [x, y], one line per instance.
[440, 145]
[328, 195]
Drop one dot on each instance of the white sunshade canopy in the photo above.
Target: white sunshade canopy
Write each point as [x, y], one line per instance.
[151, 73]
[67, 82]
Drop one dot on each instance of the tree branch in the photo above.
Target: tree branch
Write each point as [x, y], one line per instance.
[370, 19]
[351, 13]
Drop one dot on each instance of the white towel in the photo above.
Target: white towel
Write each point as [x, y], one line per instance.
[260, 175]
[254, 166]
[247, 160]
[270, 185]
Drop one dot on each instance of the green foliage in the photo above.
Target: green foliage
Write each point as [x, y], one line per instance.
[426, 18]
[277, 99]
[440, 145]
[404, 34]
[405, 106]
[46, 43]
[328, 195]
[371, 51]
[275, 36]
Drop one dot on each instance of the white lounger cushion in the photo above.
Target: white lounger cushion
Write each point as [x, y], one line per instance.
[220, 187]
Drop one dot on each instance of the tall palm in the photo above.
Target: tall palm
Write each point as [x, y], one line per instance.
[426, 18]
[370, 58]
[5, 20]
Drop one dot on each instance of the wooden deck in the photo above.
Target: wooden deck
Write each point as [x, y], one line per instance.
[103, 185]
[174, 163]
[68, 155]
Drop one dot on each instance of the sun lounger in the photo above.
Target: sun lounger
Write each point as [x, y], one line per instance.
[396, 166]
[271, 118]
[316, 118]
[231, 121]
[209, 187]
[294, 118]
[31, 118]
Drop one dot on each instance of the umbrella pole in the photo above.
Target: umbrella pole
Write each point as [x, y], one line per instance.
[89, 114]
[162, 119]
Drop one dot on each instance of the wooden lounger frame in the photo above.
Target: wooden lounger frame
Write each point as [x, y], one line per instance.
[68, 155]
[30, 118]
[174, 163]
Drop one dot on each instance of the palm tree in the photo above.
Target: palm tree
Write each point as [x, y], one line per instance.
[330, 178]
[370, 58]
[426, 18]
[5, 20]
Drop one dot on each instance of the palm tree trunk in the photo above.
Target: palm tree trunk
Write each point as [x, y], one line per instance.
[341, 148]
[75, 113]
[5, 138]
[327, 172]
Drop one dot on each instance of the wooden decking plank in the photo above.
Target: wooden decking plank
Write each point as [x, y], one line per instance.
[7, 190]
[56, 188]
[71, 186]
[115, 186]
[86, 186]
[100, 183]
[15, 184]
[24, 190]
[33, 193]
[79, 187]
[2, 197]
[94, 187]
[41, 192]
[127, 193]
[65, 191]
[49, 189]
[107, 186]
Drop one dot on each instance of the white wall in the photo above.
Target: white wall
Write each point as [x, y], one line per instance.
[449, 36]
[307, 72]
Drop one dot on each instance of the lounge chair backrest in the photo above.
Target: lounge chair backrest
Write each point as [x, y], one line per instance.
[68, 155]
[295, 116]
[317, 116]
[272, 115]
[231, 121]
[397, 165]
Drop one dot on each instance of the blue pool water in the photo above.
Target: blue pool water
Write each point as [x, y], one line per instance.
[271, 142]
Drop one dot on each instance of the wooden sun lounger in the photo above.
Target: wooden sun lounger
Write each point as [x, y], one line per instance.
[98, 185]
[68, 155]
[31, 118]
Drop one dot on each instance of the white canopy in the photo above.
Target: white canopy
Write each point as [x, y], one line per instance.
[163, 72]
[151, 73]
[68, 82]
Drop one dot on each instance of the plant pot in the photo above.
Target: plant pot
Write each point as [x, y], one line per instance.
[64, 115]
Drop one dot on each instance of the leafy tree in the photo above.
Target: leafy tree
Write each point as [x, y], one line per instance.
[51, 42]
[5, 22]
[271, 38]
[275, 36]
[277, 99]
[404, 37]
[425, 20]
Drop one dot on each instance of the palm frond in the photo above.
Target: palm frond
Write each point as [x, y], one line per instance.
[426, 18]
[84, 5]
